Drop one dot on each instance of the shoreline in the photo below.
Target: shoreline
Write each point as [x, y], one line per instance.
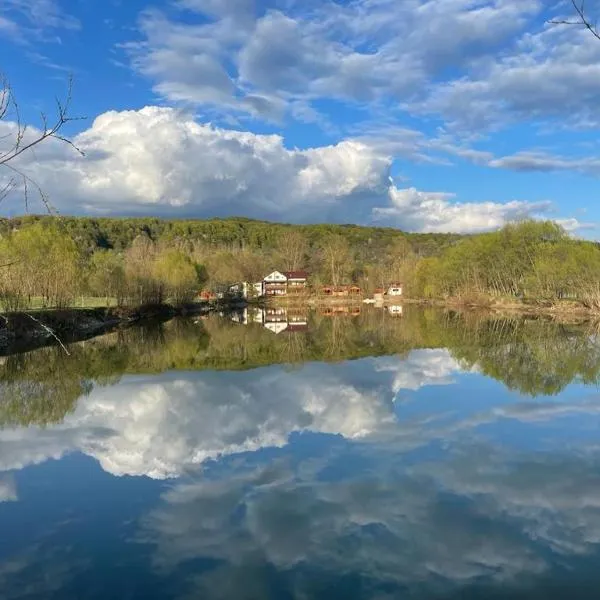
[549, 309]
[563, 310]
[24, 331]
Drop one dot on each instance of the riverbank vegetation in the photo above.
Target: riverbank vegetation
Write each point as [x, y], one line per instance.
[59, 262]
[530, 261]
[44, 266]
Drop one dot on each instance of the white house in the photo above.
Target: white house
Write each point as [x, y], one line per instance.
[395, 289]
[275, 284]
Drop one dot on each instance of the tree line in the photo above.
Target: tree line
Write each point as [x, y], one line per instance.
[233, 233]
[44, 266]
[532, 260]
[54, 262]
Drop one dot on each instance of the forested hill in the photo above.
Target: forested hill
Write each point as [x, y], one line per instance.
[118, 233]
[54, 260]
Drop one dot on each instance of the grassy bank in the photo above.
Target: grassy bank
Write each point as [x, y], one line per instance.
[524, 307]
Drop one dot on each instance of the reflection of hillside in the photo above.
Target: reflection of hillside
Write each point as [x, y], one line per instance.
[161, 426]
[533, 357]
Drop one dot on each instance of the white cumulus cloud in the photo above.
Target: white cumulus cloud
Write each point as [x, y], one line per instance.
[161, 161]
[438, 212]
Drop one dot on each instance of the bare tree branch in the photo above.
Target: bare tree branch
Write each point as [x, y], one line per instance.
[582, 20]
[23, 142]
[27, 181]
[7, 188]
[48, 130]
[5, 96]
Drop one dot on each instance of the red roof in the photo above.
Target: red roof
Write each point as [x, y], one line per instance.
[296, 274]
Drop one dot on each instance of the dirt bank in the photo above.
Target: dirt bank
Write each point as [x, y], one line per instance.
[25, 331]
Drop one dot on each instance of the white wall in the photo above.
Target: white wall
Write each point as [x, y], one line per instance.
[276, 277]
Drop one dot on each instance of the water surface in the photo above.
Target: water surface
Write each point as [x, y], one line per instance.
[410, 455]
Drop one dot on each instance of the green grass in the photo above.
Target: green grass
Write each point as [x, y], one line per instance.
[37, 303]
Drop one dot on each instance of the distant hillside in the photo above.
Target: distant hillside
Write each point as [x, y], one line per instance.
[92, 233]
[52, 261]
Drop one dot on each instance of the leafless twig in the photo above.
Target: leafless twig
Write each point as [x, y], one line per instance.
[48, 130]
[29, 181]
[22, 142]
[582, 19]
[7, 188]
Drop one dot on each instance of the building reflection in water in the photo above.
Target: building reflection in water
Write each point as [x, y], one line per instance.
[278, 319]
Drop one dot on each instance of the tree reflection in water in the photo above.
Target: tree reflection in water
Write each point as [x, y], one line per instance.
[532, 356]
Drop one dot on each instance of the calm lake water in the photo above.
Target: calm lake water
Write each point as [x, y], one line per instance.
[286, 456]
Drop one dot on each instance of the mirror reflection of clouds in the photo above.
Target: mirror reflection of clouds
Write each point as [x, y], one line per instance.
[420, 368]
[8, 489]
[158, 426]
[325, 472]
[161, 426]
[482, 516]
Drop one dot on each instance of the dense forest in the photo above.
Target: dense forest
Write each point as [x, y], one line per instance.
[118, 234]
[532, 356]
[63, 261]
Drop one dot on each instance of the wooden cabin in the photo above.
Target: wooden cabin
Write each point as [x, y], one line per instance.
[296, 281]
[207, 295]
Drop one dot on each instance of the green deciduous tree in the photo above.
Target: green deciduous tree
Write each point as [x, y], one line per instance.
[106, 277]
[43, 263]
[176, 273]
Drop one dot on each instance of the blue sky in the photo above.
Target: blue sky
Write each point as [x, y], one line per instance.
[439, 115]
